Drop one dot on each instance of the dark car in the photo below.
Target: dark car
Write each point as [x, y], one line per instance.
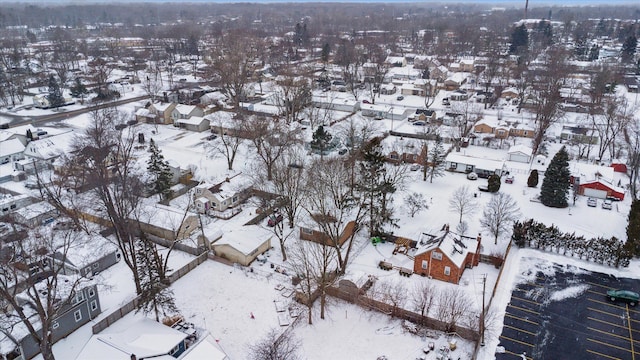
[628, 296]
[120, 126]
[274, 220]
[400, 98]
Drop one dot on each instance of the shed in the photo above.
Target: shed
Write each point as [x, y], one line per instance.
[520, 153]
[243, 245]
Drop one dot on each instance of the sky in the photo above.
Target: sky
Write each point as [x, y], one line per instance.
[532, 3]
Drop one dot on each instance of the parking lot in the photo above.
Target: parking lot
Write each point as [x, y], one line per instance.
[568, 316]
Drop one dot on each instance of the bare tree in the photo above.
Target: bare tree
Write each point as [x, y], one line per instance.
[453, 307]
[415, 202]
[276, 346]
[271, 139]
[390, 292]
[616, 117]
[462, 202]
[499, 214]
[632, 140]
[100, 70]
[292, 95]
[35, 288]
[423, 297]
[229, 139]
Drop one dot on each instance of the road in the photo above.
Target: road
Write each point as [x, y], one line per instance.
[17, 120]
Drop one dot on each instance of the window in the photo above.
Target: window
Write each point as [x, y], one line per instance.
[447, 270]
[96, 265]
[453, 165]
[425, 264]
[91, 293]
[12, 206]
[77, 315]
[235, 199]
[94, 305]
[436, 255]
[55, 325]
[78, 298]
[174, 350]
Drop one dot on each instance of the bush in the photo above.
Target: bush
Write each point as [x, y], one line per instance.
[533, 179]
[493, 183]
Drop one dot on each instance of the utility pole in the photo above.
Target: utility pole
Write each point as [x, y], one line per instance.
[484, 285]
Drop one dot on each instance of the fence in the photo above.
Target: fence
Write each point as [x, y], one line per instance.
[133, 304]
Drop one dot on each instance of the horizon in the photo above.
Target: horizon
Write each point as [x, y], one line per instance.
[532, 3]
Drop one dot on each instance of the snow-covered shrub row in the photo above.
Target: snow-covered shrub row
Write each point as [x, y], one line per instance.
[536, 235]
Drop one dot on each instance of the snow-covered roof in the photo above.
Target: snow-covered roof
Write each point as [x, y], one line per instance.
[590, 172]
[161, 107]
[244, 239]
[34, 210]
[481, 163]
[10, 147]
[88, 250]
[144, 338]
[184, 109]
[143, 112]
[194, 120]
[454, 246]
[161, 216]
[206, 349]
[50, 147]
[523, 149]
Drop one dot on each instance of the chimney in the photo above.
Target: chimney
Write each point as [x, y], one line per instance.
[133, 357]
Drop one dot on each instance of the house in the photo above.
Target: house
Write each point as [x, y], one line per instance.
[619, 166]
[510, 93]
[87, 258]
[194, 123]
[36, 214]
[337, 103]
[242, 245]
[148, 339]
[396, 61]
[459, 95]
[520, 153]
[426, 115]
[595, 181]
[83, 308]
[375, 111]
[144, 115]
[42, 153]
[182, 111]
[482, 166]
[387, 89]
[162, 112]
[600, 188]
[406, 151]
[444, 255]
[11, 150]
[579, 134]
[522, 130]
[313, 232]
[227, 194]
[412, 89]
[10, 203]
[455, 81]
[224, 122]
[166, 222]
[41, 101]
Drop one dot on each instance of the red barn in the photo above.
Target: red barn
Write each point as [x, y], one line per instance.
[600, 188]
[445, 255]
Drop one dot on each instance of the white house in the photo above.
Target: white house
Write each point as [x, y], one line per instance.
[11, 150]
[194, 123]
[520, 153]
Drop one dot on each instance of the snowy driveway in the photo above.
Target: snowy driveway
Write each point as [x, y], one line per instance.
[566, 315]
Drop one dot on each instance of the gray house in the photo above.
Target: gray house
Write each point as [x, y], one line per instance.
[82, 308]
[89, 258]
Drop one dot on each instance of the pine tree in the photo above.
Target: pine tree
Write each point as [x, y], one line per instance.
[326, 50]
[160, 171]
[493, 183]
[555, 186]
[436, 159]
[321, 140]
[376, 187]
[54, 96]
[633, 229]
[629, 48]
[519, 40]
[156, 296]
[533, 179]
[78, 89]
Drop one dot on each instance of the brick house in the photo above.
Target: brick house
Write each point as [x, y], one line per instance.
[445, 255]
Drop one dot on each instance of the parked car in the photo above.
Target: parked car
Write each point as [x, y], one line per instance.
[607, 204]
[212, 137]
[509, 179]
[342, 151]
[419, 123]
[414, 167]
[628, 296]
[484, 188]
[274, 220]
[366, 101]
[472, 176]
[591, 202]
[400, 98]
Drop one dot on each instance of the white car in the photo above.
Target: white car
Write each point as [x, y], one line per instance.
[472, 176]
[591, 202]
[607, 204]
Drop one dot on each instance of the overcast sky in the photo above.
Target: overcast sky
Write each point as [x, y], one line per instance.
[532, 3]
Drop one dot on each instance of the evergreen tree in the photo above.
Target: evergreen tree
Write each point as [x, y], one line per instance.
[533, 179]
[376, 186]
[493, 183]
[29, 134]
[633, 229]
[436, 159]
[160, 171]
[321, 140]
[78, 89]
[326, 50]
[54, 96]
[629, 48]
[519, 40]
[156, 296]
[555, 186]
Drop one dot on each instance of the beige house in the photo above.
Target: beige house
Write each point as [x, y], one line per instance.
[167, 222]
[243, 245]
[209, 198]
[162, 112]
[181, 111]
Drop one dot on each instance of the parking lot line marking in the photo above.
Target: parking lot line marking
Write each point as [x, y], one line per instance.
[516, 341]
[521, 319]
[633, 353]
[598, 285]
[519, 330]
[525, 300]
[608, 303]
[524, 309]
[607, 344]
[519, 355]
[603, 355]
[611, 334]
[604, 312]
[607, 322]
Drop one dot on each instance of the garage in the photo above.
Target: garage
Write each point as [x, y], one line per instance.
[595, 193]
